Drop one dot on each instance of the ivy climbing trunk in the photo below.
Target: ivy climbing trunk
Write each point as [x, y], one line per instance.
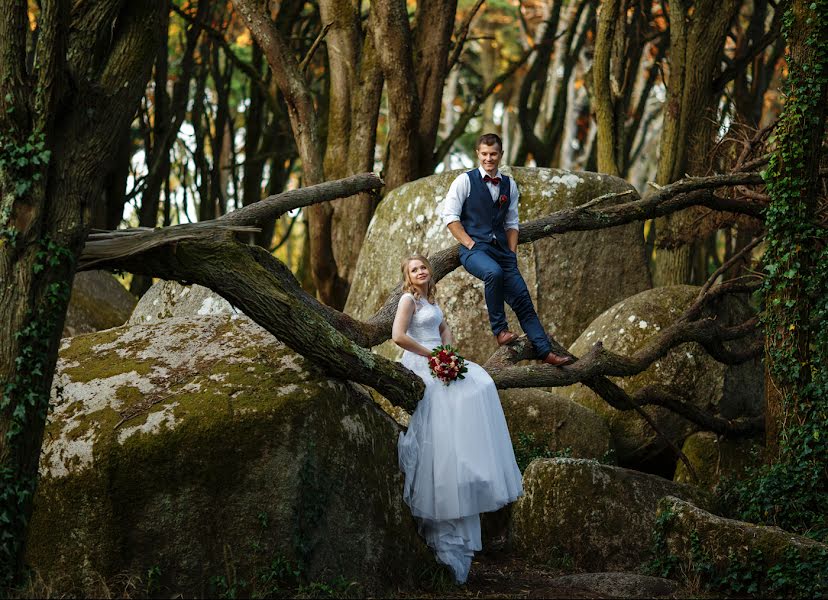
[796, 289]
[50, 165]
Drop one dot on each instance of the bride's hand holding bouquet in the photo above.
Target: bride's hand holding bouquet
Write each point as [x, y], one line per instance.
[446, 364]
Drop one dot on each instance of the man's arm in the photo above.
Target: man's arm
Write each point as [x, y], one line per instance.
[512, 220]
[453, 205]
[511, 239]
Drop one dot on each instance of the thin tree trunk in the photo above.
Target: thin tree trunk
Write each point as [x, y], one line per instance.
[696, 41]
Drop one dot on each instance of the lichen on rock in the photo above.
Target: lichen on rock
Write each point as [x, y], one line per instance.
[166, 299]
[201, 444]
[729, 391]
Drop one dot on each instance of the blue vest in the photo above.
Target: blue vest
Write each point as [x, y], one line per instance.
[481, 217]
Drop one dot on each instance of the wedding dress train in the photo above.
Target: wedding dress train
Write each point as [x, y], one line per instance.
[457, 456]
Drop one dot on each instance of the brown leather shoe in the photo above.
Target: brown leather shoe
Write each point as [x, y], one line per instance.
[556, 360]
[505, 337]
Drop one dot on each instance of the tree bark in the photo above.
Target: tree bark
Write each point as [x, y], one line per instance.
[395, 48]
[605, 96]
[697, 35]
[106, 49]
[797, 283]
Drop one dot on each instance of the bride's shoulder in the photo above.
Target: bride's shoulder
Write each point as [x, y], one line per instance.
[407, 297]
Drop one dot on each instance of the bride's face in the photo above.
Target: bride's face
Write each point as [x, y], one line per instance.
[418, 273]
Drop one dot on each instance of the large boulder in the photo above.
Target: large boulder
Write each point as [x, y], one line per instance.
[197, 447]
[541, 423]
[714, 458]
[728, 391]
[167, 299]
[98, 301]
[572, 277]
[774, 562]
[596, 516]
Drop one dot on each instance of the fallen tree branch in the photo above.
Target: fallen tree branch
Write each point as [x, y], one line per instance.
[123, 243]
[245, 276]
[268, 293]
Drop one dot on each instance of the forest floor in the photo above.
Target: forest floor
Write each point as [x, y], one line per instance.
[497, 574]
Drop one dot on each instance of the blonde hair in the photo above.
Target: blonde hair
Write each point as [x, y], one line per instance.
[408, 286]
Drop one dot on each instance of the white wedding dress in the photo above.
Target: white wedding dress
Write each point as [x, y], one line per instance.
[456, 455]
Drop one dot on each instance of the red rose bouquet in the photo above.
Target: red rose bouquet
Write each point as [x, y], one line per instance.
[446, 365]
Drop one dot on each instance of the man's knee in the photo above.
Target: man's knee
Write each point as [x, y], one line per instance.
[520, 299]
[493, 276]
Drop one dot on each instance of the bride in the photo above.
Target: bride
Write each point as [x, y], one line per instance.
[457, 457]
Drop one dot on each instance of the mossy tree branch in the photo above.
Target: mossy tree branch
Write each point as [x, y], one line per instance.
[338, 346]
[250, 278]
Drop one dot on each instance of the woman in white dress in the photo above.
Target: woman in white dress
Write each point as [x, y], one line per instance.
[456, 455]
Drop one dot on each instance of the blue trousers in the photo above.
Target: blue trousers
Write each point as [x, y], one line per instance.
[497, 267]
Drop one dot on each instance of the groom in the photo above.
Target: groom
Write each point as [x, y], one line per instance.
[481, 212]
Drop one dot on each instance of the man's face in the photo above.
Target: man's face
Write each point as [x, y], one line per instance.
[489, 157]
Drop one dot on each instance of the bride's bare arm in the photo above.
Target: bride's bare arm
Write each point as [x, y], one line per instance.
[445, 334]
[405, 309]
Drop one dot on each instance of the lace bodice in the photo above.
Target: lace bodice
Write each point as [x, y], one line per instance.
[425, 323]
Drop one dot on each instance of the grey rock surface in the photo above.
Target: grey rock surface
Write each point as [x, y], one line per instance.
[556, 423]
[572, 278]
[728, 391]
[619, 585]
[166, 299]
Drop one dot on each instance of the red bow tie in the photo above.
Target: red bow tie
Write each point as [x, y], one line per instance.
[494, 180]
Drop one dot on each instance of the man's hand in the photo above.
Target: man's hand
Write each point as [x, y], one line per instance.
[459, 232]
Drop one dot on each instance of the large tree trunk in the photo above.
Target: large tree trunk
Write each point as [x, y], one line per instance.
[606, 98]
[108, 48]
[795, 338]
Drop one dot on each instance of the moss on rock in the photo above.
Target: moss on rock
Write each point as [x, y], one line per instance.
[225, 452]
[715, 458]
[772, 561]
[98, 302]
[572, 277]
[594, 516]
[556, 423]
[729, 391]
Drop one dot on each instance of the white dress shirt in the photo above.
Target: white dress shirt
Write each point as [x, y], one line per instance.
[461, 188]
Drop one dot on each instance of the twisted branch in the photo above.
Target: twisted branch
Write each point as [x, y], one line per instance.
[263, 288]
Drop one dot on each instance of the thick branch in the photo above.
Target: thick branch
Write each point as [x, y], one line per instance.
[107, 246]
[273, 279]
[602, 362]
[243, 276]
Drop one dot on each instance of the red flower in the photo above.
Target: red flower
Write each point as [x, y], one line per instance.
[446, 365]
[502, 200]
